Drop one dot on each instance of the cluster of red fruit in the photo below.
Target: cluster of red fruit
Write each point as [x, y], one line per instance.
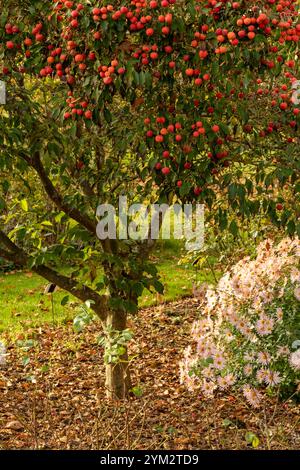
[11, 30]
[78, 107]
[103, 13]
[148, 35]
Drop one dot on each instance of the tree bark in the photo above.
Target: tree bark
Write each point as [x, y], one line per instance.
[118, 381]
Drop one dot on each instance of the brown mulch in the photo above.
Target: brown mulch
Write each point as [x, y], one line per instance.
[53, 396]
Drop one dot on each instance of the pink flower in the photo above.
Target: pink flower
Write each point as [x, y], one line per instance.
[297, 293]
[230, 379]
[248, 370]
[272, 378]
[295, 275]
[261, 375]
[208, 388]
[295, 360]
[219, 360]
[279, 314]
[264, 358]
[264, 326]
[208, 372]
[252, 395]
[283, 351]
[222, 383]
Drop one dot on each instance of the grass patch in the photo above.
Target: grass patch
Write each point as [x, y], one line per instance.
[24, 304]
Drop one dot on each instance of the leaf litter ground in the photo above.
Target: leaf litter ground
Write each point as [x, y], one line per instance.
[52, 394]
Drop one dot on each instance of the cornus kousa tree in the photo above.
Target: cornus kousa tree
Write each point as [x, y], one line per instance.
[160, 100]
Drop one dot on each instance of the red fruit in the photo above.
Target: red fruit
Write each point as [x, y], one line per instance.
[166, 170]
[197, 191]
[189, 72]
[198, 81]
[71, 80]
[279, 207]
[215, 128]
[158, 166]
[107, 80]
[67, 115]
[165, 30]
[79, 58]
[150, 31]
[169, 18]
[27, 42]
[203, 54]
[179, 183]
[154, 55]
[80, 164]
[10, 45]
[187, 166]
[88, 114]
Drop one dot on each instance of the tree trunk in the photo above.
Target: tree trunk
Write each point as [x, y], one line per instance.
[118, 382]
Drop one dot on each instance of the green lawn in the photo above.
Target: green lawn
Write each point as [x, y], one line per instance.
[24, 304]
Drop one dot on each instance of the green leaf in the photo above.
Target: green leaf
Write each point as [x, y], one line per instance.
[226, 422]
[65, 300]
[255, 442]
[25, 361]
[24, 205]
[252, 439]
[158, 286]
[233, 228]
[47, 223]
[137, 391]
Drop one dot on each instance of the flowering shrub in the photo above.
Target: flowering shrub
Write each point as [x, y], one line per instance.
[249, 335]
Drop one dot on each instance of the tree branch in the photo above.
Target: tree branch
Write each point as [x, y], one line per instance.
[57, 199]
[83, 293]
